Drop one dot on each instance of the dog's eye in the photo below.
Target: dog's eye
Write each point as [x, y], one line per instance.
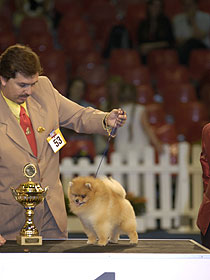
[83, 196]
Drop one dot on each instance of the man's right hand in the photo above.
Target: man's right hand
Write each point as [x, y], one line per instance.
[2, 240]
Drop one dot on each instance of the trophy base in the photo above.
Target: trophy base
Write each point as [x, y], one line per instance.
[25, 240]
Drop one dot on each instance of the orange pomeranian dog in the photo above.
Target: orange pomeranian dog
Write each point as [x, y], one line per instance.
[103, 210]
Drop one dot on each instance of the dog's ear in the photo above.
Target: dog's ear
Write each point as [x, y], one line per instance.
[88, 185]
[70, 184]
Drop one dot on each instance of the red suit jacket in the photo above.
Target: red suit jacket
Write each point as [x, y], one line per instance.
[203, 219]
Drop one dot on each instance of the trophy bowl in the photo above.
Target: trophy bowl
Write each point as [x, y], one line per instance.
[29, 195]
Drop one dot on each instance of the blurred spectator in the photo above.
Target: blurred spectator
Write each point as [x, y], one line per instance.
[113, 85]
[191, 29]
[77, 91]
[119, 38]
[155, 31]
[78, 145]
[33, 8]
[137, 132]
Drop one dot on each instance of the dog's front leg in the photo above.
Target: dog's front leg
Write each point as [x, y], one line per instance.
[92, 237]
[103, 234]
[114, 236]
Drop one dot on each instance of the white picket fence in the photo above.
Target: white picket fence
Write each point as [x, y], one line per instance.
[173, 192]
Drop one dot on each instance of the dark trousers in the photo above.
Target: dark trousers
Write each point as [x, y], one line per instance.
[205, 239]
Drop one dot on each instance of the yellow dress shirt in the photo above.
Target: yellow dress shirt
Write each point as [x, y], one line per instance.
[14, 107]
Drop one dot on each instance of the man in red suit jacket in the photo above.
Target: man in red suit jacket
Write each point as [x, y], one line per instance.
[203, 220]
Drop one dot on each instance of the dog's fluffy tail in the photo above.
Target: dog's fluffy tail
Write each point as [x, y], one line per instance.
[114, 185]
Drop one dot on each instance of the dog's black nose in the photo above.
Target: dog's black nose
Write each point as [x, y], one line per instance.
[77, 200]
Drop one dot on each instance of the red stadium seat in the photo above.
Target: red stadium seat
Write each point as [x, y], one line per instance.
[173, 96]
[95, 76]
[199, 63]
[6, 39]
[204, 5]
[40, 43]
[68, 27]
[5, 24]
[53, 63]
[174, 75]
[96, 94]
[205, 95]
[78, 148]
[164, 131]
[31, 26]
[54, 60]
[204, 89]
[137, 75]
[70, 8]
[190, 119]
[77, 47]
[58, 81]
[156, 115]
[162, 58]
[121, 59]
[145, 94]
[167, 133]
[100, 12]
[125, 57]
[135, 12]
[88, 59]
[172, 7]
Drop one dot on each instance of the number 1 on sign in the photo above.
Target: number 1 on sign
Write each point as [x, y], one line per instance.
[106, 276]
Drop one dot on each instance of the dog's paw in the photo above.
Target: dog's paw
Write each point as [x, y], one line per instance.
[102, 242]
[113, 241]
[91, 241]
[134, 242]
[133, 238]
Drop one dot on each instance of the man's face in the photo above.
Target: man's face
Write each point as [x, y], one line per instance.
[19, 88]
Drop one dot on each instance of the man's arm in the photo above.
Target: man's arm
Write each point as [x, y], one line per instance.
[204, 156]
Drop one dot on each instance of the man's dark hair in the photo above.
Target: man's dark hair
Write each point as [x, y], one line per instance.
[19, 59]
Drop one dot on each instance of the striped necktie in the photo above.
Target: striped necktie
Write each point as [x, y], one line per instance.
[26, 125]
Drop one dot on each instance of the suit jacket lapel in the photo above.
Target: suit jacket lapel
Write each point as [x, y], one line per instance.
[13, 129]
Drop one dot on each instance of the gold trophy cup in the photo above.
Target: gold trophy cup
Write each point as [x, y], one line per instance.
[29, 195]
